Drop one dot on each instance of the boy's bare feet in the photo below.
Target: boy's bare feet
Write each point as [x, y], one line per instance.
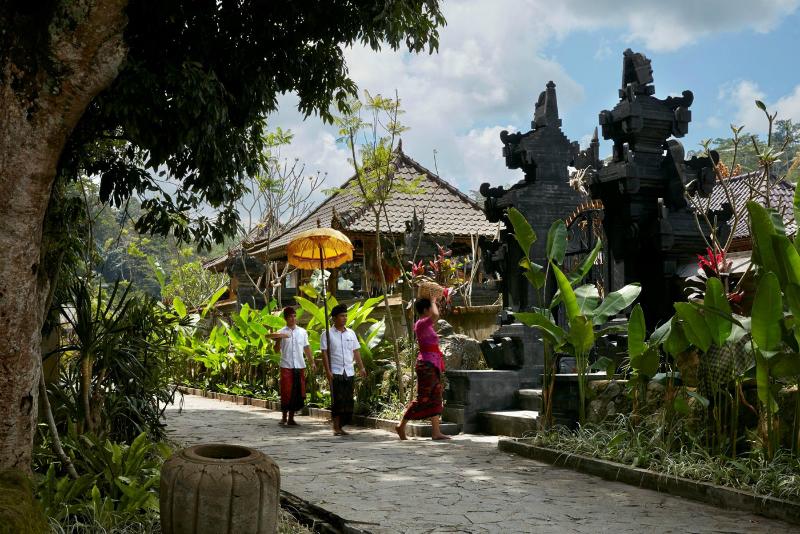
[440, 436]
[400, 432]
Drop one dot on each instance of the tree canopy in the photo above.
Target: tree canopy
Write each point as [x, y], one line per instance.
[184, 119]
[785, 139]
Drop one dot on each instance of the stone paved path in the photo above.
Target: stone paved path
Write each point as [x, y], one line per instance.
[381, 484]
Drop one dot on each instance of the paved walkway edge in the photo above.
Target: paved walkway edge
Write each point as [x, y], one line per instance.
[316, 518]
[414, 429]
[682, 487]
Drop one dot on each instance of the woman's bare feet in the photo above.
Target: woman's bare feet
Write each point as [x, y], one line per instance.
[401, 431]
[440, 436]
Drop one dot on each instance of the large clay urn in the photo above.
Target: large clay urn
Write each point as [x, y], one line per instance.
[219, 489]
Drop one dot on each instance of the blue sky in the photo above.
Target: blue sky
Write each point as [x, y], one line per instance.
[713, 68]
[495, 57]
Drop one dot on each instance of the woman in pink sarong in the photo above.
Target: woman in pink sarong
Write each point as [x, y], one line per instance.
[429, 368]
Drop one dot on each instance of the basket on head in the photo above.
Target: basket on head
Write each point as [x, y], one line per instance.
[430, 290]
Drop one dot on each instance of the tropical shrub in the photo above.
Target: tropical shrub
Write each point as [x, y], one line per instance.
[114, 362]
[587, 314]
[117, 482]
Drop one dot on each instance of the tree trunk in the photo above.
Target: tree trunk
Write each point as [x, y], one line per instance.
[38, 111]
[387, 308]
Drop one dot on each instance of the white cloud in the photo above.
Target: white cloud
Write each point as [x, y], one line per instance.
[667, 26]
[742, 95]
[481, 152]
[492, 64]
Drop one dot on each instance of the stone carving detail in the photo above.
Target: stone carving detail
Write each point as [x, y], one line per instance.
[649, 225]
[247, 271]
[461, 352]
[543, 154]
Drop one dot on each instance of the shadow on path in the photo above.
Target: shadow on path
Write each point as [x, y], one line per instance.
[380, 484]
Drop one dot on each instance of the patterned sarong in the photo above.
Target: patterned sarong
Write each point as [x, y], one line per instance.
[342, 398]
[429, 393]
[293, 389]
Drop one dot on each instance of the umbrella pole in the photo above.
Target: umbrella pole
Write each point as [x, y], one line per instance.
[325, 306]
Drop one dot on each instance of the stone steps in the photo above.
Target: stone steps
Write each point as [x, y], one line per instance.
[514, 423]
[529, 399]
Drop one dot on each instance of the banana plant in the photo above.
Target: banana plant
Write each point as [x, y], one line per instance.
[586, 312]
[357, 315]
[774, 324]
[776, 312]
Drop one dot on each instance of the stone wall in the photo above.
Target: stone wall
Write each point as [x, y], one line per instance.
[607, 398]
[460, 351]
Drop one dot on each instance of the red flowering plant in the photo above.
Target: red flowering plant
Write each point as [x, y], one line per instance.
[442, 270]
[713, 264]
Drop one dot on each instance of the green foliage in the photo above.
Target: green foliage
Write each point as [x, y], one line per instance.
[210, 73]
[523, 232]
[557, 241]
[117, 481]
[716, 312]
[695, 326]
[526, 237]
[357, 315]
[115, 363]
[767, 314]
[785, 138]
[636, 332]
[192, 284]
[681, 453]
[584, 309]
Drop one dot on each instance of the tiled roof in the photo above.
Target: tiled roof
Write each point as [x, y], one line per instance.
[781, 197]
[446, 210]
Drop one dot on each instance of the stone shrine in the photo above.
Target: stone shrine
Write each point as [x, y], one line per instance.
[650, 227]
[638, 203]
[514, 351]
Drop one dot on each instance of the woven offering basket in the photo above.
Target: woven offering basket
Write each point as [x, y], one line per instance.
[430, 290]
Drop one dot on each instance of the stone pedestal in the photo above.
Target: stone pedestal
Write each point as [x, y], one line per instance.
[516, 347]
[470, 392]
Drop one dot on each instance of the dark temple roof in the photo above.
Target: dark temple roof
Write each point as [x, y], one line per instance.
[781, 197]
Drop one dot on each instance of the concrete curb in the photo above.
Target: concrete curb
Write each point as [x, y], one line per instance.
[413, 429]
[682, 487]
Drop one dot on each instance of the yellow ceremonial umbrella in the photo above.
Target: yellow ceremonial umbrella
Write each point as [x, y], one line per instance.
[323, 248]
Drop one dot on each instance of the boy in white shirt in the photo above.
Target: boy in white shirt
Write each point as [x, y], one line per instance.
[344, 348]
[292, 342]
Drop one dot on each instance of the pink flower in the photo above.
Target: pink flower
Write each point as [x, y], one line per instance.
[447, 294]
[417, 269]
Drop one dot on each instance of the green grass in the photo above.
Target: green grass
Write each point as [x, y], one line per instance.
[289, 525]
[643, 445]
[149, 524]
[144, 524]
